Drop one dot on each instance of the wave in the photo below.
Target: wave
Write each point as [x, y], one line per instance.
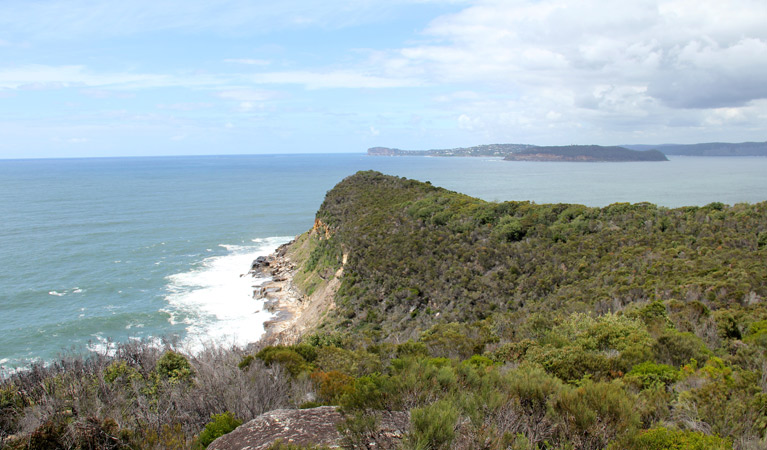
[75, 290]
[215, 299]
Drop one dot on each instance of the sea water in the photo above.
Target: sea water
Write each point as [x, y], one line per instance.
[94, 251]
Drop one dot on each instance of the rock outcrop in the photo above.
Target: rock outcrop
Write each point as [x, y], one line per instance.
[295, 311]
[314, 426]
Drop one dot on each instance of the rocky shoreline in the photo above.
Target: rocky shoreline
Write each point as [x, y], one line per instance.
[279, 293]
[294, 311]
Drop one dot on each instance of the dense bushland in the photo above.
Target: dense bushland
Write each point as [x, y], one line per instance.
[420, 255]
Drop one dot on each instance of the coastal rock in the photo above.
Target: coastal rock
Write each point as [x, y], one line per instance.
[260, 263]
[318, 426]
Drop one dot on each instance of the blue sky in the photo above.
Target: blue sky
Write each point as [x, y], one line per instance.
[172, 77]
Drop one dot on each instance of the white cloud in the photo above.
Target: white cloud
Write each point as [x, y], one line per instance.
[38, 76]
[469, 123]
[685, 54]
[248, 95]
[597, 66]
[333, 79]
[249, 61]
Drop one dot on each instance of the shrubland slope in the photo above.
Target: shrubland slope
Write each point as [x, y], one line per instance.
[420, 255]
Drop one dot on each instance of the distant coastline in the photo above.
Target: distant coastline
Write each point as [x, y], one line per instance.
[504, 150]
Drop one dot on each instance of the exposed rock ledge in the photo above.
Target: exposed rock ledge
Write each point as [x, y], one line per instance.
[295, 312]
[308, 426]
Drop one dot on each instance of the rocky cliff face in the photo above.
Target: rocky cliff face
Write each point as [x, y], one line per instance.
[314, 426]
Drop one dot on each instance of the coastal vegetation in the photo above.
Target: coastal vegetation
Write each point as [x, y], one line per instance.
[494, 325]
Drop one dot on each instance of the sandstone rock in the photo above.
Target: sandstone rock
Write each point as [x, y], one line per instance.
[313, 426]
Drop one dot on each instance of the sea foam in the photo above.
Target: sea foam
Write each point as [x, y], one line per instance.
[215, 299]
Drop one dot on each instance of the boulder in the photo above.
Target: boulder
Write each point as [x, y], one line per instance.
[312, 426]
[259, 263]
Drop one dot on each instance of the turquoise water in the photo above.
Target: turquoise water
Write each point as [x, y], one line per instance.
[120, 248]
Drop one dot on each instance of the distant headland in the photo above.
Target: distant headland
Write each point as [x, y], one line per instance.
[528, 152]
[523, 152]
[478, 150]
[585, 153]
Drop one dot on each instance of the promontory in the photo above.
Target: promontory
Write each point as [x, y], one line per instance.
[585, 153]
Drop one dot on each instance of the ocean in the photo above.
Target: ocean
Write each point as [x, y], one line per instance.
[103, 250]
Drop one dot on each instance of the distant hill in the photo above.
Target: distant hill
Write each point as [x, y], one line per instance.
[479, 150]
[709, 149]
[585, 153]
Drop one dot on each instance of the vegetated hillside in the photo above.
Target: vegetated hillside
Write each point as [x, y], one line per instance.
[418, 255]
[585, 153]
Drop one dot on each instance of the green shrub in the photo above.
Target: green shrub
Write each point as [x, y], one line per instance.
[246, 361]
[332, 385]
[677, 349]
[219, 425]
[509, 229]
[433, 426]
[291, 360]
[451, 340]
[336, 359]
[594, 414]
[478, 362]
[761, 240]
[665, 439]
[174, 367]
[308, 352]
[757, 334]
[411, 348]
[651, 375]
[368, 393]
[120, 370]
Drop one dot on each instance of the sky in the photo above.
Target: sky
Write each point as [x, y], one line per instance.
[90, 78]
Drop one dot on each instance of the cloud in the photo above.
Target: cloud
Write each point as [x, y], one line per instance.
[684, 54]
[334, 79]
[185, 106]
[248, 95]
[106, 93]
[38, 76]
[250, 62]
